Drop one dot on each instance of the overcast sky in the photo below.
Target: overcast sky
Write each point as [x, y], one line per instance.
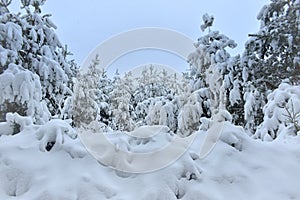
[85, 24]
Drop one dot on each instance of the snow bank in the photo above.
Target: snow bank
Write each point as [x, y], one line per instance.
[237, 168]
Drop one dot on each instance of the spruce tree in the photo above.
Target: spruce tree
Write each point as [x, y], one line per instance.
[85, 106]
[213, 69]
[29, 40]
[271, 55]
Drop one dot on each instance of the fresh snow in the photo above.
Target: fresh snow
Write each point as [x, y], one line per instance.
[237, 168]
[183, 125]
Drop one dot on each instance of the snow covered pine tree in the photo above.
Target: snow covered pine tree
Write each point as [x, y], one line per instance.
[271, 55]
[216, 76]
[29, 40]
[85, 106]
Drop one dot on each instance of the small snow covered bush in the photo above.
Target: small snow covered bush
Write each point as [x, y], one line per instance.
[282, 112]
[196, 106]
[161, 111]
[52, 134]
[14, 124]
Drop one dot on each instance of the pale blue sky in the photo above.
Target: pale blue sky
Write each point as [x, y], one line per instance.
[85, 24]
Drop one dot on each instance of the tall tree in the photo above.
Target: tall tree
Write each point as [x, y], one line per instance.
[272, 54]
[85, 106]
[213, 68]
[105, 87]
[29, 40]
[120, 102]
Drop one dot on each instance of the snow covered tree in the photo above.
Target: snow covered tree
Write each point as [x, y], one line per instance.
[29, 40]
[143, 97]
[235, 90]
[85, 106]
[152, 85]
[252, 106]
[161, 111]
[103, 100]
[275, 50]
[191, 107]
[21, 93]
[213, 68]
[273, 53]
[120, 102]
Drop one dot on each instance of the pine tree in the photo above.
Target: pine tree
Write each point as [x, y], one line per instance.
[161, 111]
[29, 40]
[277, 42]
[154, 85]
[191, 107]
[21, 92]
[281, 113]
[120, 102]
[272, 54]
[85, 106]
[213, 69]
[104, 89]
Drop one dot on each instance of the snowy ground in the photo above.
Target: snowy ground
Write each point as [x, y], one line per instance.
[238, 168]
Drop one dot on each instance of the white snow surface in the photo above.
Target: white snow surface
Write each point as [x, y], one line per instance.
[239, 167]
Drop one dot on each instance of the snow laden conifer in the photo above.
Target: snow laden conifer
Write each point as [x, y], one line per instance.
[85, 105]
[154, 96]
[28, 39]
[272, 54]
[161, 111]
[103, 98]
[215, 75]
[120, 102]
[274, 49]
[21, 93]
[151, 83]
[192, 106]
[281, 113]
[149, 86]
[21, 90]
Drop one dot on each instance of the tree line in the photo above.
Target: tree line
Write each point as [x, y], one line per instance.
[39, 79]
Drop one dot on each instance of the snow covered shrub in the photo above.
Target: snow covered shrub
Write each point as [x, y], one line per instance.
[195, 106]
[233, 135]
[280, 113]
[52, 134]
[21, 93]
[156, 107]
[153, 84]
[161, 111]
[15, 123]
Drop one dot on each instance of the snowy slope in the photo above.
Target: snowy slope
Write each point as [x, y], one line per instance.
[238, 168]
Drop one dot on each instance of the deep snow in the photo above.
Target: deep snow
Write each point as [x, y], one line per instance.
[239, 167]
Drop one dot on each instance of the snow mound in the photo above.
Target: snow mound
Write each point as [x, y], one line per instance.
[238, 167]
